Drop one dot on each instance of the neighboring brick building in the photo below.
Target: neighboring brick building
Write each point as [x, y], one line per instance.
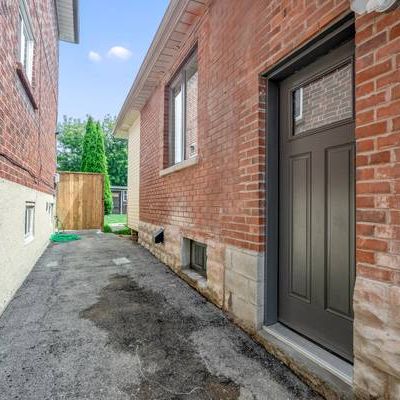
[30, 31]
[285, 213]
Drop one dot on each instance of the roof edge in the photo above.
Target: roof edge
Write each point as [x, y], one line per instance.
[75, 22]
[123, 131]
[168, 25]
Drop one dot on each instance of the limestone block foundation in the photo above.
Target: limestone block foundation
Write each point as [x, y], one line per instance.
[244, 287]
[234, 276]
[173, 253]
[376, 340]
[17, 255]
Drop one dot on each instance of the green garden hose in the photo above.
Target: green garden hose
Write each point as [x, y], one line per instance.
[64, 237]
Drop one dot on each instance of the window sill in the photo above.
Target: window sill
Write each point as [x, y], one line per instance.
[182, 165]
[26, 84]
[197, 279]
[28, 239]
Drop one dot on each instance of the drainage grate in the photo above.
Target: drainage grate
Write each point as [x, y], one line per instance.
[121, 261]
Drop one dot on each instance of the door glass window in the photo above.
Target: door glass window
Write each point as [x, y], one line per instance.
[323, 101]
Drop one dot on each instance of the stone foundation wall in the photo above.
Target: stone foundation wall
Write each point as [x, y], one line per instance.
[171, 253]
[377, 340]
[244, 286]
[234, 276]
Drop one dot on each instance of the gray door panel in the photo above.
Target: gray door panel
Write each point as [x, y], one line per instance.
[316, 227]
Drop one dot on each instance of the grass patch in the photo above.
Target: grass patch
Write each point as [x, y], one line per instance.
[115, 219]
[124, 231]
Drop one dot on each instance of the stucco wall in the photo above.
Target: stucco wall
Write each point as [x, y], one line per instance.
[134, 175]
[18, 256]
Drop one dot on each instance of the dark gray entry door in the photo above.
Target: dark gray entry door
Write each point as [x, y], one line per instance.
[316, 226]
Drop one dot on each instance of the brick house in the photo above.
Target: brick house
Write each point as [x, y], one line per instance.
[31, 30]
[264, 143]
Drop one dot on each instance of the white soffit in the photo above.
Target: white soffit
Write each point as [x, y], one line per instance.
[178, 21]
[68, 21]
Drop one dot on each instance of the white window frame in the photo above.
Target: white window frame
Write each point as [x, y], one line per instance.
[124, 196]
[29, 221]
[300, 116]
[26, 40]
[178, 149]
[50, 209]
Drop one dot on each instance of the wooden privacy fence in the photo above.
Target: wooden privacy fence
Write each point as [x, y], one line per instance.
[80, 202]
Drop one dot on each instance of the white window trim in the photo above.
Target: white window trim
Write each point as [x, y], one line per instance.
[178, 132]
[29, 224]
[50, 209]
[26, 32]
[180, 80]
[182, 165]
[300, 116]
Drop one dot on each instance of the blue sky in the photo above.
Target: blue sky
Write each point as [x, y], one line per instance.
[116, 34]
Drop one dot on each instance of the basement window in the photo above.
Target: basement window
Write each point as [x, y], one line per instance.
[198, 257]
[50, 209]
[29, 221]
[183, 99]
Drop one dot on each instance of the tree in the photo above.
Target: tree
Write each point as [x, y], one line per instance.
[70, 147]
[94, 158]
[117, 153]
[69, 144]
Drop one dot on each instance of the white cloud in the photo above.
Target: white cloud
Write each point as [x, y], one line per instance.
[119, 52]
[93, 56]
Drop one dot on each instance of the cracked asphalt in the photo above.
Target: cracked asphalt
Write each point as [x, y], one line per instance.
[101, 318]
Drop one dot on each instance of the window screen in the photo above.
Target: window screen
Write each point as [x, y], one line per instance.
[198, 257]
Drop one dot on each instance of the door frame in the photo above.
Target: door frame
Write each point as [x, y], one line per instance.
[334, 35]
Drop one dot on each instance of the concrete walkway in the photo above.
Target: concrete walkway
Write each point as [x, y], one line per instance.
[101, 318]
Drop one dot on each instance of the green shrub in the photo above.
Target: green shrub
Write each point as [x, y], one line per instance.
[107, 229]
[94, 158]
[108, 201]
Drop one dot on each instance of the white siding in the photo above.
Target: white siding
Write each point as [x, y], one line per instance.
[134, 175]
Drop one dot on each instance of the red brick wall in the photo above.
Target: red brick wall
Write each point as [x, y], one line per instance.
[377, 292]
[27, 136]
[223, 196]
[378, 146]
